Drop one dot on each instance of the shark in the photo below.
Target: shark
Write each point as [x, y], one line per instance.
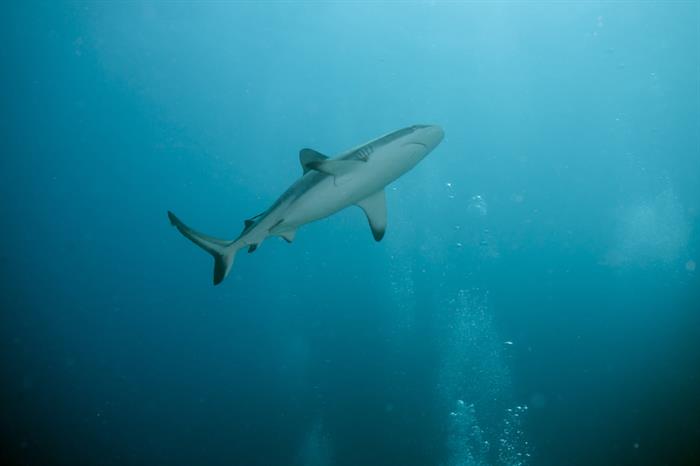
[357, 176]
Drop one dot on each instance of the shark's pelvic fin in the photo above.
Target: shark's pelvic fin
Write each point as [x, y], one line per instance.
[289, 235]
[334, 167]
[309, 155]
[223, 251]
[279, 229]
[375, 209]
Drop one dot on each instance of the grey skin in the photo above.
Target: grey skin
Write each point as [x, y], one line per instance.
[355, 177]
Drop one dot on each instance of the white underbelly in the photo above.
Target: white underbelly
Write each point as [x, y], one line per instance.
[326, 198]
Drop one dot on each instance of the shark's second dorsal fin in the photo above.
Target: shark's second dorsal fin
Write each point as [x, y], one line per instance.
[249, 222]
[375, 209]
[307, 156]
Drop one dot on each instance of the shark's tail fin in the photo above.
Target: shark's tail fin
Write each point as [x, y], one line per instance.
[223, 251]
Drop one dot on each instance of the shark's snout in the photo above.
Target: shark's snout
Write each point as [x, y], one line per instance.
[429, 135]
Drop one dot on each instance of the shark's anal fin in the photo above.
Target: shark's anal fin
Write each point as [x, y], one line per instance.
[375, 209]
[335, 167]
[307, 156]
[252, 248]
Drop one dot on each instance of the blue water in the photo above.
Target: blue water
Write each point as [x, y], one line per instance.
[534, 300]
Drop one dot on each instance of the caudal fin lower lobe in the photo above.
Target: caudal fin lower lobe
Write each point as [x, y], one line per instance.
[222, 251]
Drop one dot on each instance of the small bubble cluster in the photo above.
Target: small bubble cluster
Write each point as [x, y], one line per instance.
[468, 445]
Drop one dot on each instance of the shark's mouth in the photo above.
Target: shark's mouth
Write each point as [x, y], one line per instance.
[415, 144]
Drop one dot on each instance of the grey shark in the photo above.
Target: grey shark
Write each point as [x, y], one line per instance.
[327, 185]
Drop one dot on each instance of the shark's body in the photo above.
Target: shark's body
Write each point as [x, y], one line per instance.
[356, 177]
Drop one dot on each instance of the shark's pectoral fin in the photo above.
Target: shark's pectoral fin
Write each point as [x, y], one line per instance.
[375, 209]
[307, 156]
[335, 167]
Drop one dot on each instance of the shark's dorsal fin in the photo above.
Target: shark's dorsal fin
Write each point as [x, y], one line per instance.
[309, 155]
[335, 167]
[375, 209]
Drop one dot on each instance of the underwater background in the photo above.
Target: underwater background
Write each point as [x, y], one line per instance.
[535, 300]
